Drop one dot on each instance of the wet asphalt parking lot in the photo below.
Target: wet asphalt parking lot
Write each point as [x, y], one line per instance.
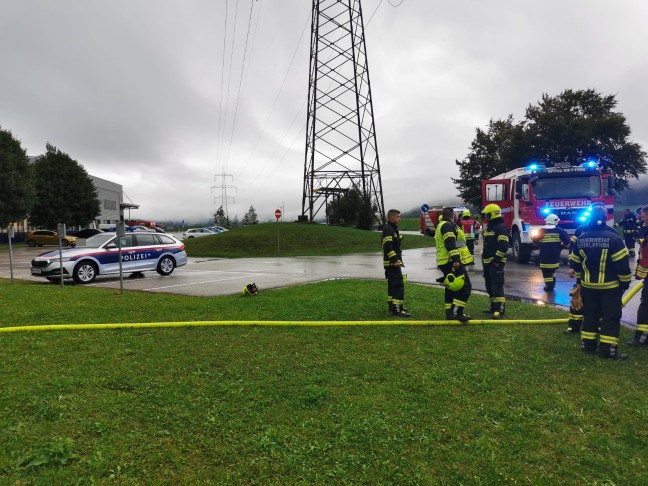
[211, 276]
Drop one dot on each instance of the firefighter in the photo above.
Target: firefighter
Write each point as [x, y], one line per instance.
[629, 225]
[641, 273]
[551, 239]
[600, 260]
[496, 244]
[468, 227]
[452, 256]
[576, 315]
[393, 264]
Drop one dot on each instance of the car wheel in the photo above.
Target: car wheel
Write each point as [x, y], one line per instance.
[31, 243]
[64, 243]
[85, 272]
[166, 266]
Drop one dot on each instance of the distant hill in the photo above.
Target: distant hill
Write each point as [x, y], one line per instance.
[636, 195]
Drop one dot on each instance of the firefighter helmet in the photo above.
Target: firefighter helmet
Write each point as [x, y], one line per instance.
[552, 219]
[454, 282]
[466, 213]
[598, 215]
[250, 289]
[492, 211]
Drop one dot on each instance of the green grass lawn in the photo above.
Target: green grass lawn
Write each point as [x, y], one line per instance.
[309, 405]
[295, 239]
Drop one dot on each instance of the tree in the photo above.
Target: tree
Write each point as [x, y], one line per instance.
[572, 127]
[251, 216]
[17, 193]
[64, 191]
[220, 219]
[351, 209]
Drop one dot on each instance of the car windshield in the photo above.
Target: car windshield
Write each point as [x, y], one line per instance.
[567, 187]
[98, 240]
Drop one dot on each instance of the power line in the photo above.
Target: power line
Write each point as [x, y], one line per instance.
[283, 82]
[238, 94]
[220, 101]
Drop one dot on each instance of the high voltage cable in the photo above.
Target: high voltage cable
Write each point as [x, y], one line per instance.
[278, 94]
[220, 101]
[229, 76]
[238, 95]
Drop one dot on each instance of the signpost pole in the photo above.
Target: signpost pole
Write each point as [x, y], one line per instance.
[278, 216]
[121, 231]
[10, 235]
[60, 233]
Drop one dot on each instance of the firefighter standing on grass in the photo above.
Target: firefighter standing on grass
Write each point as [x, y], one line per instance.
[452, 256]
[576, 315]
[600, 260]
[496, 244]
[640, 338]
[468, 227]
[393, 263]
[551, 239]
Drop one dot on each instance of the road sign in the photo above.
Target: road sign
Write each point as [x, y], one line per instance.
[425, 208]
[278, 213]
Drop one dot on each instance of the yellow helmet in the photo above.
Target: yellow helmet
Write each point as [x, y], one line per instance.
[454, 282]
[466, 213]
[492, 211]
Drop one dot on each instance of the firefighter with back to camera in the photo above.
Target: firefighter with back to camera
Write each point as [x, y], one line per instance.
[576, 315]
[496, 243]
[640, 339]
[468, 228]
[629, 225]
[600, 259]
[551, 239]
[452, 258]
[393, 264]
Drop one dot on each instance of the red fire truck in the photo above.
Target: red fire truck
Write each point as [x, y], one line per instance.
[529, 194]
[429, 218]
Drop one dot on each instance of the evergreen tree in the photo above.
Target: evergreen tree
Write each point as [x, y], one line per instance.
[17, 192]
[251, 216]
[220, 219]
[64, 192]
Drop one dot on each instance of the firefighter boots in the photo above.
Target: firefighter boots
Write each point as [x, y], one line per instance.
[611, 351]
[399, 311]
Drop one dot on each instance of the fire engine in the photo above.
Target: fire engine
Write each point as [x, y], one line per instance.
[429, 219]
[528, 195]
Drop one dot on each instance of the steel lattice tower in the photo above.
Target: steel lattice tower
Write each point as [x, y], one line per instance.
[341, 147]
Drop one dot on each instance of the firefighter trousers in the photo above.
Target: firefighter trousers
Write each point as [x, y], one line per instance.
[470, 243]
[494, 280]
[601, 316]
[460, 297]
[630, 242]
[395, 285]
[548, 277]
[641, 334]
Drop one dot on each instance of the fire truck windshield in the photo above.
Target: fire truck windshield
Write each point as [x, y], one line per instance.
[567, 187]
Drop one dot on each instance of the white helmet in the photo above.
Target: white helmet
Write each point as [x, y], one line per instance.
[552, 219]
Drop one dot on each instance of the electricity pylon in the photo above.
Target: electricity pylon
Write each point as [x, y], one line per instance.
[341, 148]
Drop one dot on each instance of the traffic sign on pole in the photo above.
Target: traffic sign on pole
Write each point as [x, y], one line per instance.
[278, 213]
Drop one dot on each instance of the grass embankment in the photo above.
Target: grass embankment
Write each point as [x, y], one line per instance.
[295, 239]
[370, 405]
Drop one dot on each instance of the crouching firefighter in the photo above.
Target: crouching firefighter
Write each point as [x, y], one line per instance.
[393, 263]
[601, 260]
[551, 239]
[496, 245]
[452, 257]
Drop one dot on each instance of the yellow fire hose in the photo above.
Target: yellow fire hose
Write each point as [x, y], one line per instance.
[631, 294]
[136, 325]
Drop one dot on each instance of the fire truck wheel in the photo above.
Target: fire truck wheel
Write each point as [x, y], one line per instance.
[521, 252]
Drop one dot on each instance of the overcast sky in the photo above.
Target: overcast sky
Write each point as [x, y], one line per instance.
[134, 89]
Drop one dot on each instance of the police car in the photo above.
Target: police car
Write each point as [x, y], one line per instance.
[100, 256]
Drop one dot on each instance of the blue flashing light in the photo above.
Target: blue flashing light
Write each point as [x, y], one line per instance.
[532, 167]
[582, 219]
[546, 210]
[590, 164]
[586, 214]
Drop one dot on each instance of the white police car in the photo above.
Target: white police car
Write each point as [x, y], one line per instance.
[140, 252]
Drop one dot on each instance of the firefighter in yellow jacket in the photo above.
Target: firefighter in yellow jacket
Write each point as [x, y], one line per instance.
[452, 257]
[601, 260]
